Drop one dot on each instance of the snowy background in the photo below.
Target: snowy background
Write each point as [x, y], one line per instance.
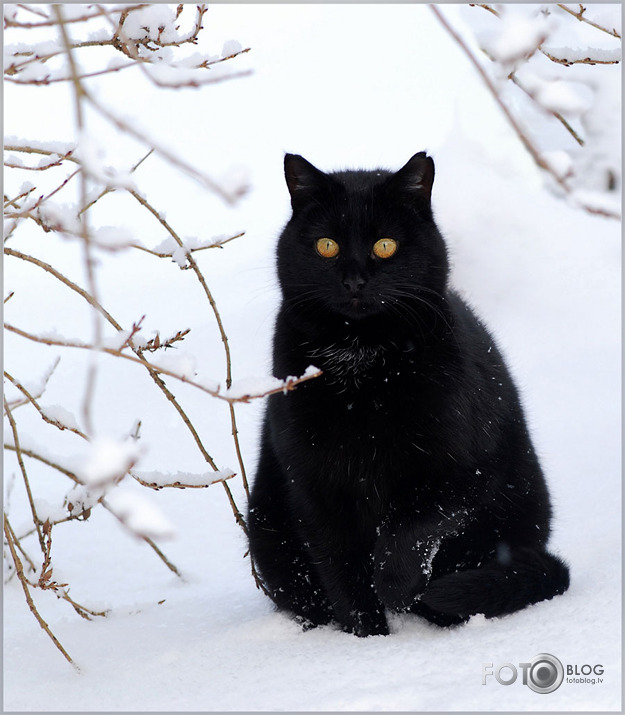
[345, 86]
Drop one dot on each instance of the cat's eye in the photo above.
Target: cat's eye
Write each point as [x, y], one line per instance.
[327, 248]
[384, 248]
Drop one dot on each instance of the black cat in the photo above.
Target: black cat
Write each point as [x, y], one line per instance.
[404, 477]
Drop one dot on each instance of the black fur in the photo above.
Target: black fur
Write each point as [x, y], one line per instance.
[404, 477]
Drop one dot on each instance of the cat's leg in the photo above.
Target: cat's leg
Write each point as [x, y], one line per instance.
[277, 550]
[404, 554]
[347, 576]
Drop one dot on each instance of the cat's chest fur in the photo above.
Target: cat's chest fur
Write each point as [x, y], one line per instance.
[371, 413]
[349, 363]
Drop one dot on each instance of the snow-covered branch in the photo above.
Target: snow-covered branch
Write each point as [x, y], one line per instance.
[563, 74]
[56, 192]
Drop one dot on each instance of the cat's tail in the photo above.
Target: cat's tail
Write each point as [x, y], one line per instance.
[503, 585]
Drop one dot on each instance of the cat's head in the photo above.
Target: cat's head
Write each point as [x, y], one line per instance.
[361, 244]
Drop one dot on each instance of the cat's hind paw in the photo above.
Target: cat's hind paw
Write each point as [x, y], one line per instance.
[398, 592]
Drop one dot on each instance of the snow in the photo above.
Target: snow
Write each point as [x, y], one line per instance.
[203, 479]
[113, 237]
[544, 275]
[563, 97]
[91, 154]
[231, 47]
[147, 23]
[60, 415]
[249, 387]
[601, 54]
[107, 460]
[53, 147]
[183, 364]
[521, 31]
[38, 386]
[139, 514]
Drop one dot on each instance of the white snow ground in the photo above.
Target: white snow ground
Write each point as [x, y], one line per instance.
[343, 85]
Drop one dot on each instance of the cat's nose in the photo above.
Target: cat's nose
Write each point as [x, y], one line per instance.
[353, 282]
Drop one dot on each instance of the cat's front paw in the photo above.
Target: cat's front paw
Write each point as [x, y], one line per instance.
[366, 623]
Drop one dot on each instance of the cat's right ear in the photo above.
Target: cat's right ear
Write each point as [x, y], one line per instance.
[302, 179]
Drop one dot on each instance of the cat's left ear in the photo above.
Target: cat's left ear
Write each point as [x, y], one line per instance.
[416, 177]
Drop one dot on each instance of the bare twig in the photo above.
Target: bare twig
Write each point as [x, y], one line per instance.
[82, 18]
[20, 460]
[222, 332]
[285, 386]
[125, 126]
[153, 373]
[143, 52]
[67, 156]
[161, 254]
[80, 516]
[17, 543]
[70, 284]
[582, 61]
[157, 486]
[22, 578]
[79, 95]
[36, 405]
[582, 18]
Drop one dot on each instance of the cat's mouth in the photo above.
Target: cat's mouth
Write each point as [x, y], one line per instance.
[359, 307]
[356, 304]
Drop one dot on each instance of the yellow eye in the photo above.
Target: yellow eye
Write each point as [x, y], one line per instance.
[385, 247]
[327, 248]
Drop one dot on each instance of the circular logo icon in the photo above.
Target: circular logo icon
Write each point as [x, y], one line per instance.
[546, 673]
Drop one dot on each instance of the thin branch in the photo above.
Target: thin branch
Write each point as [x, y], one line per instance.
[67, 156]
[583, 61]
[113, 188]
[582, 18]
[20, 460]
[128, 128]
[101, 500]
[222, 332]
[29, 8]
[31, 605]
[70, 284]
[285, 386]
[218, 244]
[555, 114]
[46, 378]
[36, 405]
[79, 95]
[153, 373]
[17, 543]
[44, 460]
[157, 486]
[83, 18]
[45, 167]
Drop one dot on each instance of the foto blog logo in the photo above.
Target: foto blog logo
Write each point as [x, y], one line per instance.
[543, 674]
